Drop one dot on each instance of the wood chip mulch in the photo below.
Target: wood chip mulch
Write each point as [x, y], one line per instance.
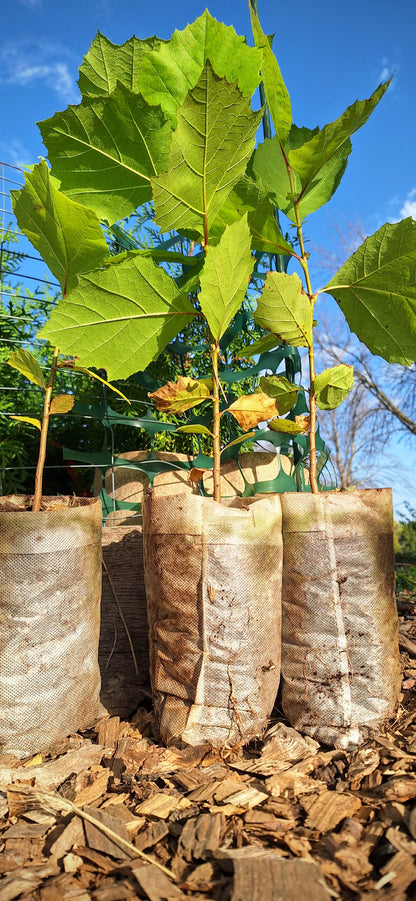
[111, 815]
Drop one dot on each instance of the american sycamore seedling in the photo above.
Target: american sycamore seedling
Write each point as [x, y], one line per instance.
[69, 238]
[172, 123]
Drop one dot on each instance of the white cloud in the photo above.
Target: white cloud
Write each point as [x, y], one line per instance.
[15, 153]
[25, 63]
[386, 70]
[409, 206]
[31, 3]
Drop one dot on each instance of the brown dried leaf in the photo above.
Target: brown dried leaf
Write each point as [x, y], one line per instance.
[250, 409]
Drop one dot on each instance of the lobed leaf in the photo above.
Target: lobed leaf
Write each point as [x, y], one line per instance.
[120, 318]
[284, 309]
[106, 63]
[332, 386]
[168, 74]
[210, 148]
[225, 276]
[67, 235]
[106, 150]
[376, 290]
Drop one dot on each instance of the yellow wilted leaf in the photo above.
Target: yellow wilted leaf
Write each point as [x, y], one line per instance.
[62, 403]
[30, 420]
[250, 409]
[175, 397]
[303, 422]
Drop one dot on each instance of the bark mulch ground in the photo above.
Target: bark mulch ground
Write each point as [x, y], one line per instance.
[111, 815]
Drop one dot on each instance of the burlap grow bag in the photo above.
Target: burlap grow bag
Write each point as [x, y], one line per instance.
[340, 652]
[50, 587]
[213, 587]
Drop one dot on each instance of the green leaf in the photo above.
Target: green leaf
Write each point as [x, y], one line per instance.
[62, 403]
[67, 235]
[170, 72]
[283, 391]
[195, 430]
[24, 362]
[120, 318]
[269, 166]
[28, 419]
[225, 276]
[277, 95]
[285, 425]
[106, 63]
[248, 197]
[262, 345]
[203, 172]
[239, 440]
[285, 310]
[376, 290]
[333, 385]
[309, 159]
[106, 150]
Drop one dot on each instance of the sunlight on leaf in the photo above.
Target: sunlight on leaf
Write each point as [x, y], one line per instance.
[28, 419]
[62, 403]
[176, 397]
[250, 409]
[25, 362]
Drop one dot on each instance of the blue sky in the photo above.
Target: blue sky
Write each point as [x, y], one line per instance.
[330, 54]
[328, 58]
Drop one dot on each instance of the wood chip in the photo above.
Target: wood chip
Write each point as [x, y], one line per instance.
[266, 877]
[159, 805]
[101, 842]
[155, 884]
[327, 810]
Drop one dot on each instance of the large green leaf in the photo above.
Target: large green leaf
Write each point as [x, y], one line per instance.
[106, 63]
[249, 197]
[67, 235]
[170, 72]
[277, 95]
[269, 166]
[120, 318]
[225, 277]
[210, 149]
[333, 385]
[285, 310]
[376, 290]
[309, 159]
[106, 150]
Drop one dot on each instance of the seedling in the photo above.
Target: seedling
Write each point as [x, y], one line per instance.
[171, 123]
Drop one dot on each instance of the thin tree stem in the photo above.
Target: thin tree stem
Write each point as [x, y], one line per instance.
[312, 396]
[37, 497]
[216, 445]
